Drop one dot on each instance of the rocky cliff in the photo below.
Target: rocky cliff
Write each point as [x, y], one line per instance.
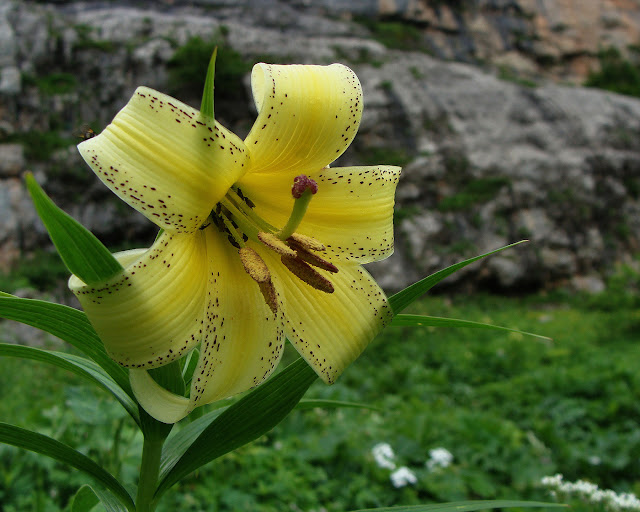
[487, 161]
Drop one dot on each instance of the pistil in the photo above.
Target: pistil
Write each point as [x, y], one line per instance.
[302, 190]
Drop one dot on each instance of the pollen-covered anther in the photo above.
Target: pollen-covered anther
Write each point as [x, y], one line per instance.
[307, 273]
[275, 244]
[269, 293]
[309, 243]
[254, 265]
[311, 258]
[301, 184]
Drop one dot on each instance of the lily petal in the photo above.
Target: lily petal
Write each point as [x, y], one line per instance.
[351, 214]
[307, 117]
[244, 341]
[241, 346]
[165, 160]
[135, 312]
[330, 330]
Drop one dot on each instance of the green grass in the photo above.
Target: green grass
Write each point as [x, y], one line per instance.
[617, 74]
[474, 192]
[510, 409]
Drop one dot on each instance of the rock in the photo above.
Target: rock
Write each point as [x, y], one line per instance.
[12, 161]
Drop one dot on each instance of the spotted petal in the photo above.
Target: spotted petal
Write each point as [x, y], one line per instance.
[165, 160]
[330, 330]
[352, 213]
[241, 346]
[135, 312]
[307, 117]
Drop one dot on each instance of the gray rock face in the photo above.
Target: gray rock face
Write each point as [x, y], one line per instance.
[486, 162]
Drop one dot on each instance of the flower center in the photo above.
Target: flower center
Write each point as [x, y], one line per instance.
[235, 216]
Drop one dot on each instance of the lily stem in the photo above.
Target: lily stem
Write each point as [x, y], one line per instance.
[149, 471]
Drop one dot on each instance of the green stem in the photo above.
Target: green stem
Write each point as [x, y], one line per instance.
[149, 471]
[299, 209]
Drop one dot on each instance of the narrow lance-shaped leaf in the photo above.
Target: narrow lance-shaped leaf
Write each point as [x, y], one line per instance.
[82, 253]
[435, 321]
[244, 421]
[78, 365]
[39, 443]
[69, 325]
[404, 298]
[206, 107]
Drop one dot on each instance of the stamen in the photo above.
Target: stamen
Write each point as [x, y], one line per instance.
[274, 243]
[302, 190]
[307, 274]
[310, 244]
[254, 265]
[311, 258]
[269, 293]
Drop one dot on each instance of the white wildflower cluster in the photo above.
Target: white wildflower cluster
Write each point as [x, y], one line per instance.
[590, 492]
[438, 458]
[385, 458]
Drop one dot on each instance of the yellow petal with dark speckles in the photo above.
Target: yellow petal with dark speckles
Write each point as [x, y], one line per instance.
[307, 117]
[330, 330]
[151, 313]
[164, 160]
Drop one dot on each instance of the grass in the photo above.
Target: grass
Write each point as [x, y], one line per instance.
[511, 409]
[617, 74]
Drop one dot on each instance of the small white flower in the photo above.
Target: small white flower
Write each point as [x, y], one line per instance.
[439, 458]
[384, 456]
[594, 460]
[403, 476]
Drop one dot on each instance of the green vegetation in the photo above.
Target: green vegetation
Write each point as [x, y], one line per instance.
[85, 39]
[40, 145]
[474, 192]
[384, 156]
[185, 68]
[508, 74]
[53, 83]
[395, 34]
[616, 74]
[41, 271]
[510, 409]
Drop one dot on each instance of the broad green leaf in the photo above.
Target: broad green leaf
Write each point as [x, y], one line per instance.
[82, 253]
[404, 298]
[75, 364]
[32, 441]
[88, 497]
[435, 321]
[69, 325]
[313, 403]
[247, 419]
[206, 107]
[464, 506]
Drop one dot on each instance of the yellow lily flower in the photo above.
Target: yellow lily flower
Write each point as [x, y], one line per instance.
[241, 261]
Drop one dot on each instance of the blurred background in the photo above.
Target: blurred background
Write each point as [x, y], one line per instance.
[512, 119]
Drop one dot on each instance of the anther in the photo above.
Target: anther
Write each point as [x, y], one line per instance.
[307, 274]
[311, 258]
[269, 293]
[254, 265]
[309, 243]
[274, 243]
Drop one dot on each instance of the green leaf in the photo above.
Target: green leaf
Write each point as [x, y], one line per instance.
[69, 325]
[206, 107]
[404, 298]
[464, 506]
[88, 497]
[313, 403]
[436, 321]
[82, 253]
[247, 419]
[75, 364]
[32, 441]
[84, 500]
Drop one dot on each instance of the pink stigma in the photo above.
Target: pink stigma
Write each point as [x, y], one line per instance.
[301, 184]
